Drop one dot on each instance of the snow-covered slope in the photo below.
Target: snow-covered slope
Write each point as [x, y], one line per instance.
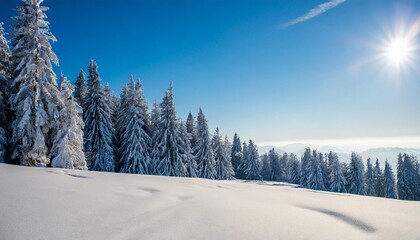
[40, 203]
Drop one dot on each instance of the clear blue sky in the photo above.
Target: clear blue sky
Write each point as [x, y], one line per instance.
[312, 80]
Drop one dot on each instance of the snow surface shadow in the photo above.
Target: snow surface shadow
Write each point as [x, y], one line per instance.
[149, 190]
[347, 219]
[77, 176]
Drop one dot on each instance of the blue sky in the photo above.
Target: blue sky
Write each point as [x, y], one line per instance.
[251, 74]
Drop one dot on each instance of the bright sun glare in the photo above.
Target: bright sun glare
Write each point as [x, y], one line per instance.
[398, 51]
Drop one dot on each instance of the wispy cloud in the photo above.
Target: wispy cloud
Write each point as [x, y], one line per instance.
[318, 10]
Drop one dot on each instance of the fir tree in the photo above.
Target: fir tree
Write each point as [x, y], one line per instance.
[236, 155]
[168, 149]
[281, 168]
[304, 169]
[154, 120]
[275, 167]
[80, 88]
[35, 97]
[336, 179]
[378, 180]
[315, 178]
[206, 166]
[190, 124]
[144, 108]
[408, 178]
[370, 184]
[389, 182]
[265, 168]
[189, 160]
[224, 169]
[356, 175]
[134, 141]
[98, 131]
[251, 164]
[294, 169]
[68, 143]
[4, 92]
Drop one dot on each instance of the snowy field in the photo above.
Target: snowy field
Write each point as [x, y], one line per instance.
[40, 203]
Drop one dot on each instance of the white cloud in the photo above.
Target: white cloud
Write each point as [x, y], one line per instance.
[318, 10]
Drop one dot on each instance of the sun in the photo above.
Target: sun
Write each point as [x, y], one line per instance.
[398, 51]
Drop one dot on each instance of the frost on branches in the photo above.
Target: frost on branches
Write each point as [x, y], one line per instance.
[98, 131]
[35, 97]
[224, 169]
[206, 166]
[68, 144]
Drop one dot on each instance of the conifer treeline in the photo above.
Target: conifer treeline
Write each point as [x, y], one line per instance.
[43, 123]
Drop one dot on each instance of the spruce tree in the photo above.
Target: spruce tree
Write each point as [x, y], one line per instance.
[224, 169]
[98, 131]
[378, 180]
[236, 155]
[188, 156]
[35, 98]
[4, 93]
[389, 181]
[168, 149]
[304, 169]
[370, 185]
[275, 167]
[80, 88]
[356, 178]
[154, 118]
[294, 169]
[315, 178]
[336, 179]
[251, 164]
[68, 143]
[265, 168]
[281, 168]
[144, 108]
[206, 166]
[190, 124]
[134, 145]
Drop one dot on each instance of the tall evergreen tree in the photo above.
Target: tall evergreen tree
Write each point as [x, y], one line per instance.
[315, 178]
[80, 88]
[282, 168]
[35, 97]
[251, 164]
[4, 93]
[189, 160]
[134, 141]
[224, 169]
[144, 108]
[378, 180]
[98, 131]
[190, 124]
[370, 183]
[265, 168]
[275, 167]
[206, 166]
[304, 169]
[408, 178]
[294, 172]
[389, 182]
[356, 175]
[336, 179]
[236, 155]
[168, 149]
[154, 118]
[68, 143]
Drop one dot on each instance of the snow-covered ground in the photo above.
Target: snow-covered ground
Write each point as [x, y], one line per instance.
[45, 203]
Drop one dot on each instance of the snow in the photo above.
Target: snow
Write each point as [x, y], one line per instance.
[46, 203]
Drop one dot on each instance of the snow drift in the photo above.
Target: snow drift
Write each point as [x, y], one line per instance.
[45, 203]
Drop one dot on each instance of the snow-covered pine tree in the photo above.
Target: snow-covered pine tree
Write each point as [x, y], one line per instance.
[4, 92]
[408, 178]
[282, 168]
[224, 170]
[35, 98]
[134, 145]
[251, 164]
[154, 118]
[294, 169]
[315, 178]
[80, 88]
[265, 168]
[336, 179]
[191, 130]
[356, 177]
[67, 149]
[236, 155]
[206, 165]
[304, 163]
[189, 160]
[168, 152]
[144, 108]
[98, 131]
[370, 183]
[389, 181]
[275, 167]
[378, 180]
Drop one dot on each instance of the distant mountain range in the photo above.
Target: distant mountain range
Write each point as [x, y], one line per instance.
[382, 153]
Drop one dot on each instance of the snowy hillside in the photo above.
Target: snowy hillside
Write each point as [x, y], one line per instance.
[40, 203]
